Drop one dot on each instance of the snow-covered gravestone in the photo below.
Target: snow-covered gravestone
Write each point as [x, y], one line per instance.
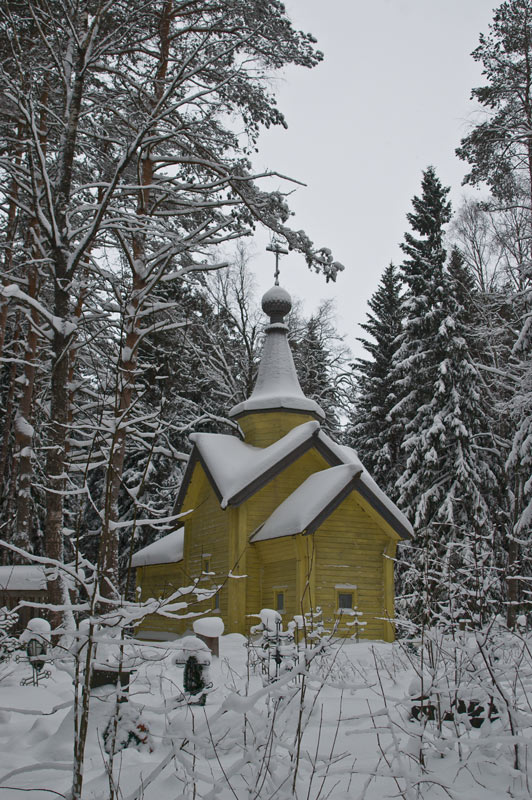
[275, 650]
[209, 630]
[37, 638]
[195, 656]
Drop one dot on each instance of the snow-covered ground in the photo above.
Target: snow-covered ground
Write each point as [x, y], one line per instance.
[345, 732]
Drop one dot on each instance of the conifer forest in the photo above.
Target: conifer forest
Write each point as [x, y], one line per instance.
[129, 321]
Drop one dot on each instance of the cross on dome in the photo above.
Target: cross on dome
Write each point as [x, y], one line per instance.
[276, 248]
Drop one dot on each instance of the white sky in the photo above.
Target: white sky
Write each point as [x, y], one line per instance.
[390, 98]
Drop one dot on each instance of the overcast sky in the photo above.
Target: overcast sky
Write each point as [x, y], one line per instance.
[390, 98]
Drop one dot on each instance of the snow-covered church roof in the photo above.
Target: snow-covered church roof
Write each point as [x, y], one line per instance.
[277, 385]
[302, 510]
[164, 551]
[237, 470]
[234, 467]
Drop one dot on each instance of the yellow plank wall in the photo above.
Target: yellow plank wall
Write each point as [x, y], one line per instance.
[350, 550]
[206, 532]
[263, 429]
[207, 536]
[159, 581]
[258, 509]
[278, 572]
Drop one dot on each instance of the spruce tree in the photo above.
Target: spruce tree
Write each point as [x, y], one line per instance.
[448, 480]
[375, 436]
[314, 360]
[416, 359]
[415, 372]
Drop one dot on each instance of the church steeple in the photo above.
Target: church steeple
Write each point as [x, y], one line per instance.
[277, 403]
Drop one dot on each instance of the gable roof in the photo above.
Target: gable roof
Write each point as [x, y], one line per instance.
[310, 503]
[237, 470]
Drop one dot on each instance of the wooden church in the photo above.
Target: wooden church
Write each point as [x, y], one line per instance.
[282, 517]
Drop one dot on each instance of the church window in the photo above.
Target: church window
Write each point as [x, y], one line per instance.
[279, 602]
[345, 601]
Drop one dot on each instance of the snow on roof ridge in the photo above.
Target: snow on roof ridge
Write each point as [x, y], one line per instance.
[166, 550]
[234, 465]
[307, 502]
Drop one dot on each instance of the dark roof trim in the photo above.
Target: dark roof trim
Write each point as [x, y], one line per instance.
[254, 486]
[327, 453]
[187, 477]
[258, 483]
[333, 504]
[383, 510]
[194, 458]
[306, 412]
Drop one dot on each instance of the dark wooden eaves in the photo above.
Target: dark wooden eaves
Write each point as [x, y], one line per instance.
[306, 412]
[333, 504]
[376, 503]
[195, 457]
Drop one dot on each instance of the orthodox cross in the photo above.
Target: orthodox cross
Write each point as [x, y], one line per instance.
[276, 248]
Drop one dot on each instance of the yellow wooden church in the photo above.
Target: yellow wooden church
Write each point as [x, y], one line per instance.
[281, 517]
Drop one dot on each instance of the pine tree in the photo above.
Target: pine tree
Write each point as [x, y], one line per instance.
[153, 183]
[373, 433]
[499, 148]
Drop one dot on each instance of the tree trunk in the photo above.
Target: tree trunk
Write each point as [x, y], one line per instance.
[55, 461]
[10, 401]
[24, 428]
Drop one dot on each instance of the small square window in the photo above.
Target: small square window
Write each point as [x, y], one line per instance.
[345, 601]
[279, 601]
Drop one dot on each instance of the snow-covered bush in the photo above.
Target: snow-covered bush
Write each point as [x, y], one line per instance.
[466, 707]
[126, 728]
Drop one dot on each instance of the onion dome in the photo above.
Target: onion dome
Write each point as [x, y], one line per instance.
[276, 303]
